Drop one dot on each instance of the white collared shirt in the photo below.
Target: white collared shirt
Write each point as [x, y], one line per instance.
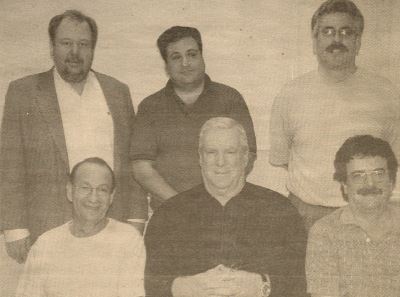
[87, 122]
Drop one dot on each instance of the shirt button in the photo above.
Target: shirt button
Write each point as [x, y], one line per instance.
[368, 240]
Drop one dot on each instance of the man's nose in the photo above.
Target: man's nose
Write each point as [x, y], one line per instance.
[75, 48]
[338, 37]
[185, 61]
[369, 180]
[220, 159]
[93, 197]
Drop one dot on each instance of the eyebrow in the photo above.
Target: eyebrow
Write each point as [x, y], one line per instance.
[362, 171]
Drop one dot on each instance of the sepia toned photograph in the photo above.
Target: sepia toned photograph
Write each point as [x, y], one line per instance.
[238, 148]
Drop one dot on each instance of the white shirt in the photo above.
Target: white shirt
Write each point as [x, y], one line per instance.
[87, 122]
[107, 264]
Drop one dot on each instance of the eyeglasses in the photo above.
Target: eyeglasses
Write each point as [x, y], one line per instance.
[377, 176]
[101, 191]
[343, 32]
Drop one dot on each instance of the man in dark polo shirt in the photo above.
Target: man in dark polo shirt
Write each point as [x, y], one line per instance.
[165, 136]
[225, 237]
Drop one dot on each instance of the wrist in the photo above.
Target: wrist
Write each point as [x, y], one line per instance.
[265, 289]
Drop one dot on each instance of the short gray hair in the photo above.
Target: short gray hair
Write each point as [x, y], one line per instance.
[224, 123]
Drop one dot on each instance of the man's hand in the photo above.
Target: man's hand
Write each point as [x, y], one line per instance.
[219, 281]
[249, 284]
[18, 249]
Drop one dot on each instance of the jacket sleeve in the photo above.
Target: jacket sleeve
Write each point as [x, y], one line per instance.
[13, 213]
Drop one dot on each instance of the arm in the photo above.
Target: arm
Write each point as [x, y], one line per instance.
[131, 283]
[151, 180]
[241, 113]
[279, 133]
[31, 281]
[13, 219]
[321, 262]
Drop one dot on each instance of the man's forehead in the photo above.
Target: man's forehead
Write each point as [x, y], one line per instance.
[337, 20]
[183, 44]
[362, 163]
[222, 137]
[70, 26]
[88, 172]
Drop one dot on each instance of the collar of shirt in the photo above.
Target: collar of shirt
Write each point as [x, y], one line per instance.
[170, 93]
[392, 219]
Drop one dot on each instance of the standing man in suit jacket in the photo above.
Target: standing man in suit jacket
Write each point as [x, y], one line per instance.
[53, 120]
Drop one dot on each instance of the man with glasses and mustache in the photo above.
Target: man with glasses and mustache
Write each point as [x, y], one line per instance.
[53, 120]
[354, 251]
[91, 255]
[315, 113]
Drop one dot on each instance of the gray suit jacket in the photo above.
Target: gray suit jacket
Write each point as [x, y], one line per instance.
[34, 159]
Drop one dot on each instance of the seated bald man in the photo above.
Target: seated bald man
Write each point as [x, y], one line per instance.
[225, 237]
[92, 255]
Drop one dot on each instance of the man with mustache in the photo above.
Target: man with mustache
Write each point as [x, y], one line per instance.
[354, 251]
[52, 121]
[164, 141]
[315, 113]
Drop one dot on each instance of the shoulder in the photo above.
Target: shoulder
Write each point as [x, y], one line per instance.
[224, 92]
[154, 101]
[328, 225]
[305, 80]
[377, 82]
[103, 78]
[269, 200]
[122, 232]
[53, 236]
[31, 80]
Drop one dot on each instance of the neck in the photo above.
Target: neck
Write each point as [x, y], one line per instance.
[80, 228]
[189, 89]
[337, 75]
[370, 217]
[224, 195]
[79, 86]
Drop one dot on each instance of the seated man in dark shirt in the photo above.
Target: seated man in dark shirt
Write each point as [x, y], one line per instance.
[225, 237]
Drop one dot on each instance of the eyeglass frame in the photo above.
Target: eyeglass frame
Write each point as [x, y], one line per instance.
[360, 177]
[90, 190]
[341, 31]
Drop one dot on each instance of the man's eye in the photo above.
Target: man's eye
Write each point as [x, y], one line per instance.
[84, 44]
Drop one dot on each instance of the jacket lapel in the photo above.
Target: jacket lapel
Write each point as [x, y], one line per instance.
[47, 102]
[114, 104]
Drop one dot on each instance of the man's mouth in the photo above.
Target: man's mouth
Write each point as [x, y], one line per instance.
[369, 191]
[337, 48]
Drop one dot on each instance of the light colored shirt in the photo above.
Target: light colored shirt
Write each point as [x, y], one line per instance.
[87, 122]
[312, 117]
[107, 264]
[342, 260]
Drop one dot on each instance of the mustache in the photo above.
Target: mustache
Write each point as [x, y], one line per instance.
[369, 191]
[337, 46]
[73, 59]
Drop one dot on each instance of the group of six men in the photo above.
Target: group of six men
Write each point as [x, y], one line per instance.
[70, 135]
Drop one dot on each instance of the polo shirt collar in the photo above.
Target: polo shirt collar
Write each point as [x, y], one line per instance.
[347, 216]
[169, 88]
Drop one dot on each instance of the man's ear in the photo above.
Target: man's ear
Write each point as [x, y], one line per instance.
[69, 191]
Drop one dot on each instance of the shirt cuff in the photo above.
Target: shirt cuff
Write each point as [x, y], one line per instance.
[137, 220]
[15, 234]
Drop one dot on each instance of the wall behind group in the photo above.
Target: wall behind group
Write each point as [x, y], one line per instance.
[254, 46]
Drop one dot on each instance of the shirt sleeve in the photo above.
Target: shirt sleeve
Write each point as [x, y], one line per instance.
[279, 131]
[131, 283]
[321, 262]
[144, 136]
[241, 112]
[31, 282]
[162, 251]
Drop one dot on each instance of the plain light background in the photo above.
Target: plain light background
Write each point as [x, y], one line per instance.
[254, 46]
